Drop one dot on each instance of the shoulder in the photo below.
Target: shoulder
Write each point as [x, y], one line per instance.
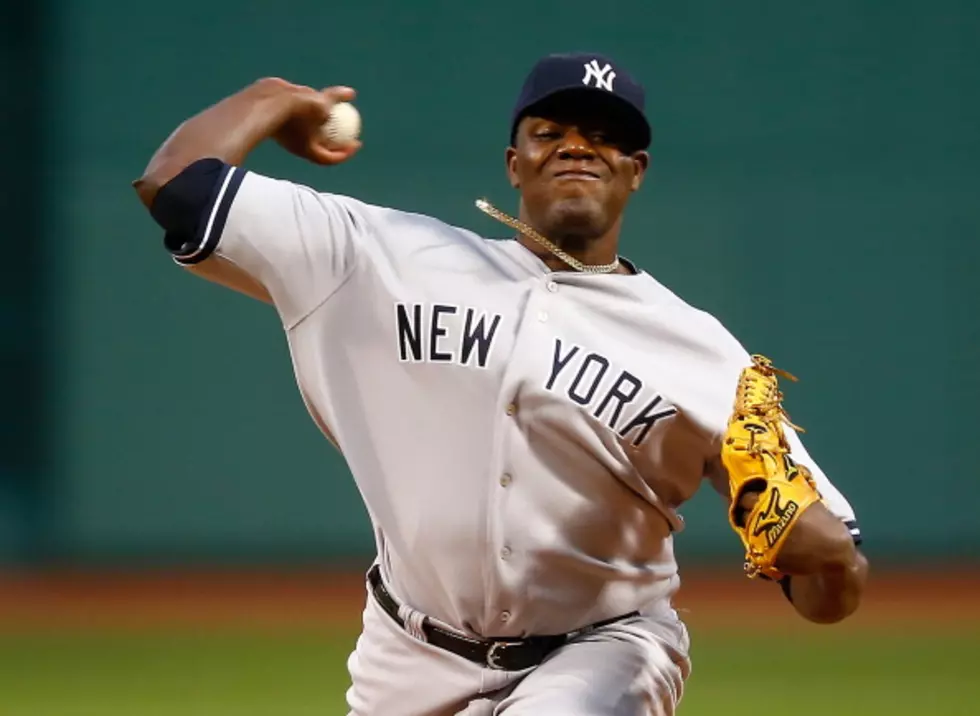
[655, 293]
[410, 240]
[408, 226]
[259, 188]
[727, 350]
[699, 358]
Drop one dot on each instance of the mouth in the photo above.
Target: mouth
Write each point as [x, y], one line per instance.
[577, 175]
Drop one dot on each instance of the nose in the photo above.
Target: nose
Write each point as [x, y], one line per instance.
[575, 146]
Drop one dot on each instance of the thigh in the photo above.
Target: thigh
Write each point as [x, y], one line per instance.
[625, 669]
[394, 674]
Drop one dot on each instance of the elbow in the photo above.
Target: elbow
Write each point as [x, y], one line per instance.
[147, 187]
[166, 164]
[157, 175]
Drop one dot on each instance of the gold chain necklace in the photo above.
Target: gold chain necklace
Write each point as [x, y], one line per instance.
[517, 225]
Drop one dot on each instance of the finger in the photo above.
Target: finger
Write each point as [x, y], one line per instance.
[335, 155]
[340, 94]
[313, 105]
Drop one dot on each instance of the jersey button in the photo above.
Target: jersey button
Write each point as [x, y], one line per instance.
[505, 480]
[511, 409]
[505, 552]
[505, 616]
[552, 286]
[543, 316]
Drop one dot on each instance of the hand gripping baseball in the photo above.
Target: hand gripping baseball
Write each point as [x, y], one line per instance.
[755, 454]
[302, 132]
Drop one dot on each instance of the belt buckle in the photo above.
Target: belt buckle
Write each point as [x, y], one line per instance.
[493, 655]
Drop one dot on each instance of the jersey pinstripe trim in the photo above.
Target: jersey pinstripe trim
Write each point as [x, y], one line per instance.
[207, 240]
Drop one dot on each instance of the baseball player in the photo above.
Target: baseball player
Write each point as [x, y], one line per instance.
[523, 416]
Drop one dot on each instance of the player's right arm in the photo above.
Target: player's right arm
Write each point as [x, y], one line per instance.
[243, 230]
[223, 272]
[232, 128]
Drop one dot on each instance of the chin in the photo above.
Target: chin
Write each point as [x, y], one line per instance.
[577, 219]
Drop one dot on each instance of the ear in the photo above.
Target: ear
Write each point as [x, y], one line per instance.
[510, 157]
[641, 161]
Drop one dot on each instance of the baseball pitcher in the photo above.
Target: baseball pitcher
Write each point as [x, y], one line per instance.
[523, 416]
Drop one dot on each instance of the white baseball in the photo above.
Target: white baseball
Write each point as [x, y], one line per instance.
[343, 125]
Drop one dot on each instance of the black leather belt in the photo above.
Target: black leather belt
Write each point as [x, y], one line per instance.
[497, 654]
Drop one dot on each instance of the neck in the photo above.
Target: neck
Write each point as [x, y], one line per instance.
[595, 251]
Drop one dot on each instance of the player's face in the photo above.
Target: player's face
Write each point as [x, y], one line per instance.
[575, 171]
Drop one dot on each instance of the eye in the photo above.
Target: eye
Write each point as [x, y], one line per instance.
[547, 134]
[599, 137]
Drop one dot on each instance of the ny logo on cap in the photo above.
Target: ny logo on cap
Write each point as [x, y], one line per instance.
[603, 77]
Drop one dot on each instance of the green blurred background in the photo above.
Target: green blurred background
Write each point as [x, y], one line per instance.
[814, 184]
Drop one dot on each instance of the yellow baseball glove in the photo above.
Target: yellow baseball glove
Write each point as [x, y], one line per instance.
[755, 454]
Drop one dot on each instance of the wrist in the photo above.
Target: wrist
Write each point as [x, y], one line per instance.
[275, 100]
[256, 113]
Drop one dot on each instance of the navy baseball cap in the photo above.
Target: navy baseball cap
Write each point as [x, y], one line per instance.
[585, 77]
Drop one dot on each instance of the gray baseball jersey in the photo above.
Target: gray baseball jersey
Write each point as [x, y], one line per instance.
[522, 438]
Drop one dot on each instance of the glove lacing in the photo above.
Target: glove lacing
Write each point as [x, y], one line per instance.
[762, 398]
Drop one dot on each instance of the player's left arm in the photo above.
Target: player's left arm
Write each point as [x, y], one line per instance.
[797, 528]
[822, 570]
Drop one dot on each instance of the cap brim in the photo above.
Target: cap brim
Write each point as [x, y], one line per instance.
[638, 128]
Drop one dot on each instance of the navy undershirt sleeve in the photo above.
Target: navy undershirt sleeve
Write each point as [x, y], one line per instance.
[193, 206]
